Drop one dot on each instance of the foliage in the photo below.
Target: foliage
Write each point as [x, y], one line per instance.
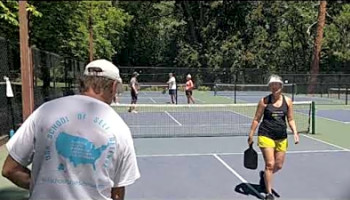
[66, 26]
[337, 40]
[218, 38]
[9, 12]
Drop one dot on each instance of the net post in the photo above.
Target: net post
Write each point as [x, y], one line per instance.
[293, 91]
[313, 117]
[235, 88]
[176, 94]
[346, 94]
[215, 89]
[235, 93]
[339, 86]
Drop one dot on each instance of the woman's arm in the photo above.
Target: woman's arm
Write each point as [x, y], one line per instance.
[291, 121]
[258, 114]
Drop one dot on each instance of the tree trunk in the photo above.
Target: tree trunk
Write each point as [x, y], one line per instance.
[191, 23]
[315, 65]
[91, 37]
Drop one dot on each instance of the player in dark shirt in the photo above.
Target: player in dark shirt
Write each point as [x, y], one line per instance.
[272, 132]
[134, 86]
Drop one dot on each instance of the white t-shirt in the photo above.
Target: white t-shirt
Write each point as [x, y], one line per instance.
[79, 148]
[172, 83]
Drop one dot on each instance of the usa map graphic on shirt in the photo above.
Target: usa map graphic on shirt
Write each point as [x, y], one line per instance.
[78, 150]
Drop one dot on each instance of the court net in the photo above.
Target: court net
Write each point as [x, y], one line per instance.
[196, 120]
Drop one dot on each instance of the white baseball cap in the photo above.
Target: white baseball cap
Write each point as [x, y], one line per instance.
[275, 79]
[103, 68]
[188, 76]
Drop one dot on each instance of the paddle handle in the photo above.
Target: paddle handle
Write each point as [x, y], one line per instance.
[251, 145]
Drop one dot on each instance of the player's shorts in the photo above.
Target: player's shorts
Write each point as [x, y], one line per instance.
[171, 92]
[188, 92]
[133, 95]
[278, 145]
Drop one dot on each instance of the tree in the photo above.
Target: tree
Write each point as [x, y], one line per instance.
[66, 26]
[315, 65]
[336, 51]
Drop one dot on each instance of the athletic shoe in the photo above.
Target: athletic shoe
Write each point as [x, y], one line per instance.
[269, 197]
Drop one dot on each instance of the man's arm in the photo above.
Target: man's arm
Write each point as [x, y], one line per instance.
[133, 85]
[118, 193]
[16, 173]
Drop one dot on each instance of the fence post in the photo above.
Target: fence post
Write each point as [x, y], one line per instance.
[26, 65]
[339, 86]
[313, 117]
[235, 89]
[346, 94]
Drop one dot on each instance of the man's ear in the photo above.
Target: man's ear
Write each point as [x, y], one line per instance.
[115, 86]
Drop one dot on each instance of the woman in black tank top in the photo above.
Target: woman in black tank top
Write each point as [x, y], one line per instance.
[272, 133]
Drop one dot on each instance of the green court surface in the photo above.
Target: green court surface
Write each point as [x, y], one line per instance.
[331, 131]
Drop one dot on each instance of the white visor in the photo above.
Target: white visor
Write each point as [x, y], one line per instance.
[274, 79]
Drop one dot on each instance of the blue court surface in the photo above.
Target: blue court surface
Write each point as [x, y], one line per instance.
[257, 98]
[212, 168]
[155, 98]
[335, 115]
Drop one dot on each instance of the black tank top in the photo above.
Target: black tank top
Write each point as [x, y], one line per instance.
[274, 122]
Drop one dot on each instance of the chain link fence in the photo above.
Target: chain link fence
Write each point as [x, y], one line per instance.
[54, 76]
[328, 89]
[10, 107]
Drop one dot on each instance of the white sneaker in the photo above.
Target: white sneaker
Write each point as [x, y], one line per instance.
[134, 111]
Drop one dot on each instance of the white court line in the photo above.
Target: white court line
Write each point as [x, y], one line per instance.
[173, 118]
[152, 100]
[330, 144]
[239, 153]
[326, 118]
[329, 119]
[241, 114]
[198, 99]
[231, 98]
[197, 125]
[238, 176]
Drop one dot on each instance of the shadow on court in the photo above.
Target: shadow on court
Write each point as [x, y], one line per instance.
[245, 190]
[13, 193]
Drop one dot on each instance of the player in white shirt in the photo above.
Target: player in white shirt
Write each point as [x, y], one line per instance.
[79, 147]
[172, 87]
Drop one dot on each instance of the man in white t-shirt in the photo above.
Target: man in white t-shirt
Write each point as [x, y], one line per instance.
[172, 87]
[79, 147]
